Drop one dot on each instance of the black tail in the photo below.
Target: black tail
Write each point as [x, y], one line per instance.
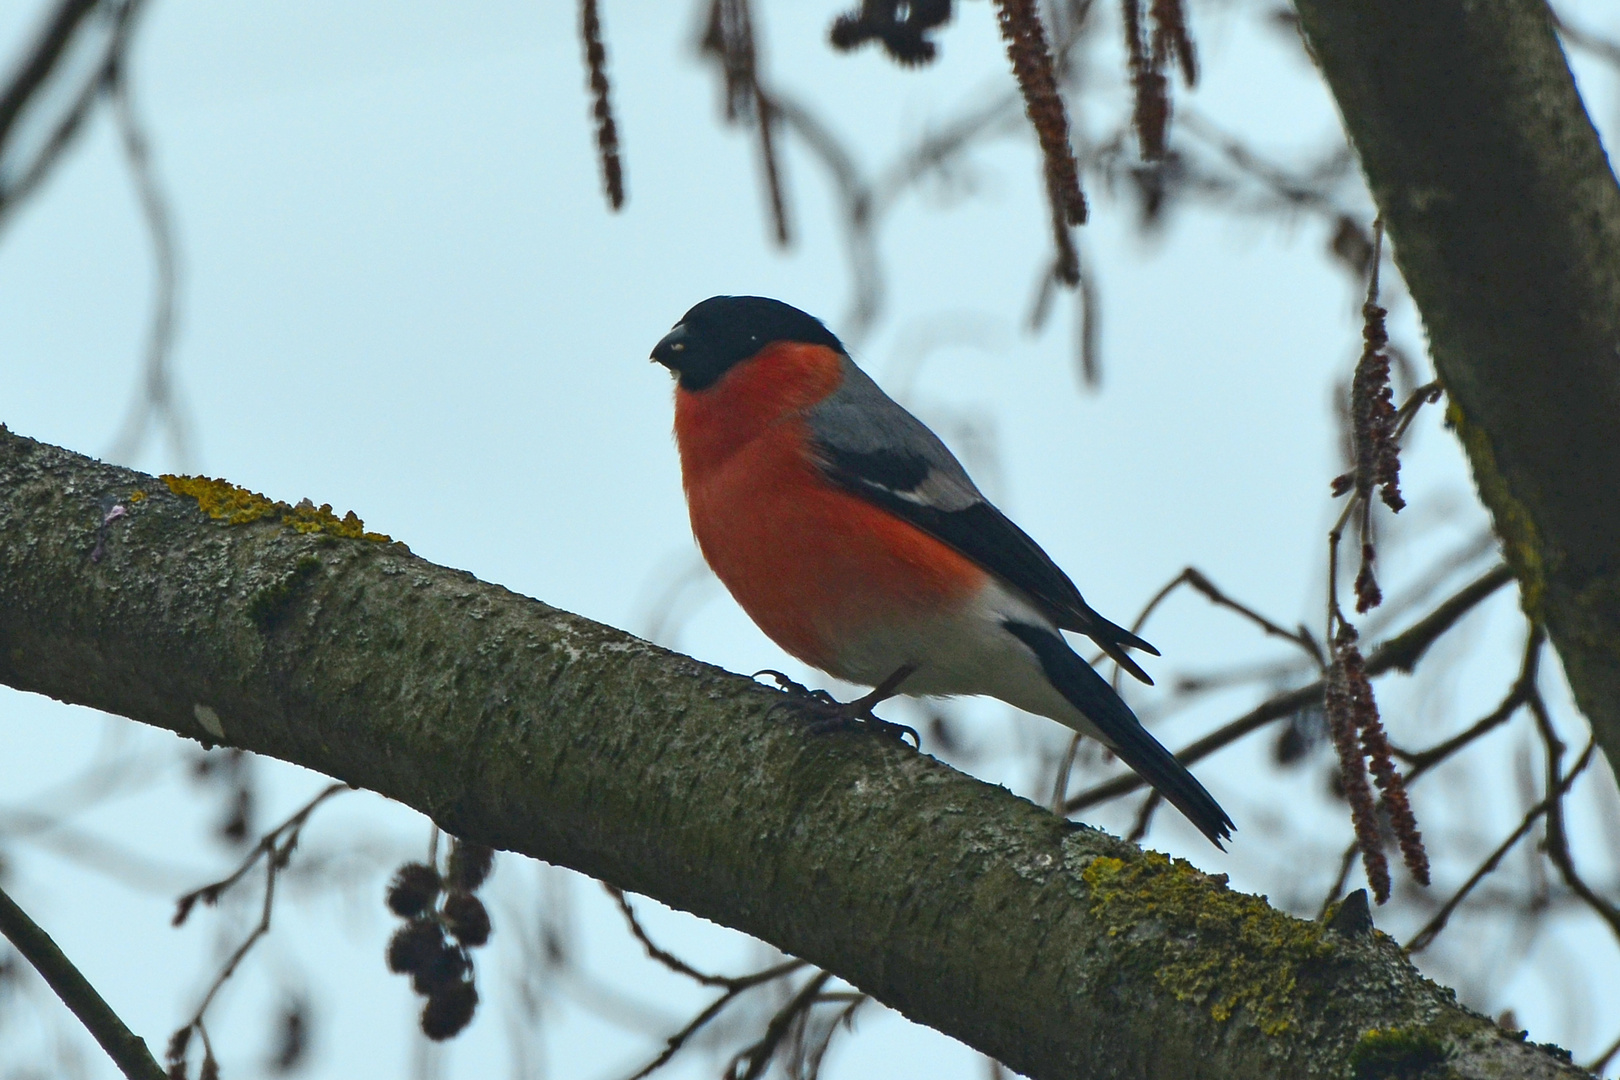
[1113, 640]
[1091, 694]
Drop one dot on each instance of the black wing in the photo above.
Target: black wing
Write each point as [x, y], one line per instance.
[869, 445]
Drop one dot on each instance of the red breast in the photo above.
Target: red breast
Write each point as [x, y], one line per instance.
[816, 567]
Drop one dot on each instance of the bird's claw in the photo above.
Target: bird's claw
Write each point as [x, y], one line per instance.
[834, 715]
[793, 686]
[842, 721]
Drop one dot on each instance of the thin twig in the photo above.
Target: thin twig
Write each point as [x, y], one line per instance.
[1292, 190]
[858, 211]
[1346, 861]
[1556, 842]
[1518, 694]
[733, 985]
[1060, 786]
[1195, 579]
[737, 986]
[668, 959]
[1334, 615]
[1401, 652]
[1300, 637]
[937, 146]
[1597, 1064]
[127, 1050]
[1144, 817]
[60, 33]
[275, 848]
[864, 202]
[765, 116]
[52, 42]
[1088, 334]
[678, 1040]
[1431, 930]
[55, 38]
[156, 397]
[1427, 394]
[846, 1020]
[759, 1055]
[730, 40]
[1605, 48]
[267, 845]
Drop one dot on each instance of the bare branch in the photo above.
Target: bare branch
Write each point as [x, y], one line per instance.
[156, 399]
[758, 1056]
[524, 727]
[127, 1050]
[1556, 843]
[730, 41]
[1599, 1063]
[1401, 652]
[668, 959]
[107, 26]
[734, 988]
[274, 849]
[1424, 760]
[1604, 48]
[1424, 937]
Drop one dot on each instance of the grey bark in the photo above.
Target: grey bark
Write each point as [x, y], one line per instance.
[1055, 948]
[1506, 222]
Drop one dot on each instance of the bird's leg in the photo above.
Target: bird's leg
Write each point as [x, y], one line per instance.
[862, 706]
[834, 715]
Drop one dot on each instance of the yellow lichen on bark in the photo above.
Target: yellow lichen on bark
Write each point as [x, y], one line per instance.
[1247, 956]
[225, 501]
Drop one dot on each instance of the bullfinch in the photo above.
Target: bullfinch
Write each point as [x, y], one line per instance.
[857, 542]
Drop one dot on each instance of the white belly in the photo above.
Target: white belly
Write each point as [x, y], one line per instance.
[966, 651]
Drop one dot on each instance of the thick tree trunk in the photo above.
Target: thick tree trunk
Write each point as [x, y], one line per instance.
[1055, 948]
[1506, 222]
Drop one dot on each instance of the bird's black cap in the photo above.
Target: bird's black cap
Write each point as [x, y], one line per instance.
[723, 331]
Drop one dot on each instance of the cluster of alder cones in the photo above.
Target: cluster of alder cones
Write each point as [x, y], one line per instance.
[443, 920]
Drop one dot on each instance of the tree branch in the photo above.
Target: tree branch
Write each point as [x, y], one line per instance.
[40, 61]
[127, 1049]
[1401, 652]
[1052, 947]
[1506, 222]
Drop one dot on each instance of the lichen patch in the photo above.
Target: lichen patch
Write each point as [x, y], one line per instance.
[224, 501]
[1245, 957]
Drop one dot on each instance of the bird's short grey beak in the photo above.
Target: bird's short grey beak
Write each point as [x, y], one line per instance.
[668, 351]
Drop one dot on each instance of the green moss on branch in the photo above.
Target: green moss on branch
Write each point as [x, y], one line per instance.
[1243, 955]
[1414, 1053]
